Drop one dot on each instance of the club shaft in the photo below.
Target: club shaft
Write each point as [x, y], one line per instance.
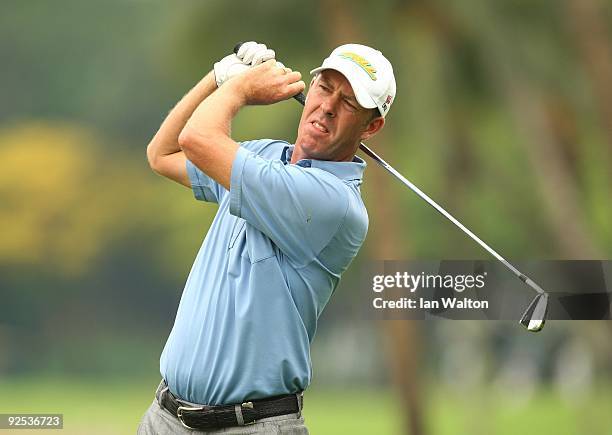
[450, 217]
[301, 99]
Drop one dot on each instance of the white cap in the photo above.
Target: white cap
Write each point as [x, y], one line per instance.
[369, 73]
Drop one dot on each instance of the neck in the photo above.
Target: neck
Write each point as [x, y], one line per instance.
[299, 154]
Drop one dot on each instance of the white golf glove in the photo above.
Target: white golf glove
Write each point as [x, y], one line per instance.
[250, 54]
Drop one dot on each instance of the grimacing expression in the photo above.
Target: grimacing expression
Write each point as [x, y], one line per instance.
[333, 123]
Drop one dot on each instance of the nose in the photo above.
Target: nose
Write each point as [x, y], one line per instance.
[328, 106]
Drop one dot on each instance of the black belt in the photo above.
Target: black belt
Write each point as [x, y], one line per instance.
[217, 417]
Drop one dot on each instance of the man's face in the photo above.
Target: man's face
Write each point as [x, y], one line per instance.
[333, 123]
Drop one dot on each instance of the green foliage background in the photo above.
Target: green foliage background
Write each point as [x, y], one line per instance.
[500, 115]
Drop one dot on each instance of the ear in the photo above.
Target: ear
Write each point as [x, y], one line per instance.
[374, 126]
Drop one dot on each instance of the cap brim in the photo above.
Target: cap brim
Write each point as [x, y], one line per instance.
[361, 94]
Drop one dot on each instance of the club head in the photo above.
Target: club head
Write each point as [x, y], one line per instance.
[535, 315]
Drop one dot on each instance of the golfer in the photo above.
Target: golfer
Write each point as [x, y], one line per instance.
[290, 220]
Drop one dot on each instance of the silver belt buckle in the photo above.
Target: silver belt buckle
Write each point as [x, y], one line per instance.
[179, 414]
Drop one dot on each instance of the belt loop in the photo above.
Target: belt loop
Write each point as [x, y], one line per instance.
[239, 417]
[300, 401]
[161, 389]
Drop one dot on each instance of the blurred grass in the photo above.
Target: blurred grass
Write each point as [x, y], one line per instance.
[101, 406]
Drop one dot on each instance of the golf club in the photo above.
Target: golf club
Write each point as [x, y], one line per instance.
[535, 315]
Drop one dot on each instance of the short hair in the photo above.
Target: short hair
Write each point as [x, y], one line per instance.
[374, 113]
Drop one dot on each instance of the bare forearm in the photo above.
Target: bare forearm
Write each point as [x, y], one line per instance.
[165, 141]
[206, 140]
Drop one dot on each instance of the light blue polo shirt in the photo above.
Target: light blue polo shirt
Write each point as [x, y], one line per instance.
[272, 258]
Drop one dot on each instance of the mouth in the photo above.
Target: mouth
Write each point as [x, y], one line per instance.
[320, 127]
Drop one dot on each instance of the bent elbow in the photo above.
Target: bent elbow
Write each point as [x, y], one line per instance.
[186, 138]
[191, 140]
[152, 158]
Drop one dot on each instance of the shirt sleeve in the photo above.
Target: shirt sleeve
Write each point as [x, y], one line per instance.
[204, 188]
[299, 209]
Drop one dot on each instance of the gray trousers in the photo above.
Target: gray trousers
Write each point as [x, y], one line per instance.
[158, 421]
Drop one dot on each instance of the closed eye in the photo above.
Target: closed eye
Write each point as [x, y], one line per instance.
[350, 104]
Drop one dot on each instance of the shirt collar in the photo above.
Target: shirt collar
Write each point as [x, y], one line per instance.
[343, 170]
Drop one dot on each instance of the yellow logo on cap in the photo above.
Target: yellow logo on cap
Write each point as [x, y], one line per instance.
[362, 62]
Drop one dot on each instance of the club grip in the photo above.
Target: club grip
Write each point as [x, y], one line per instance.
[300, 98]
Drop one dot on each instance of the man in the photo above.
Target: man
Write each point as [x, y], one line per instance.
[290, 220]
